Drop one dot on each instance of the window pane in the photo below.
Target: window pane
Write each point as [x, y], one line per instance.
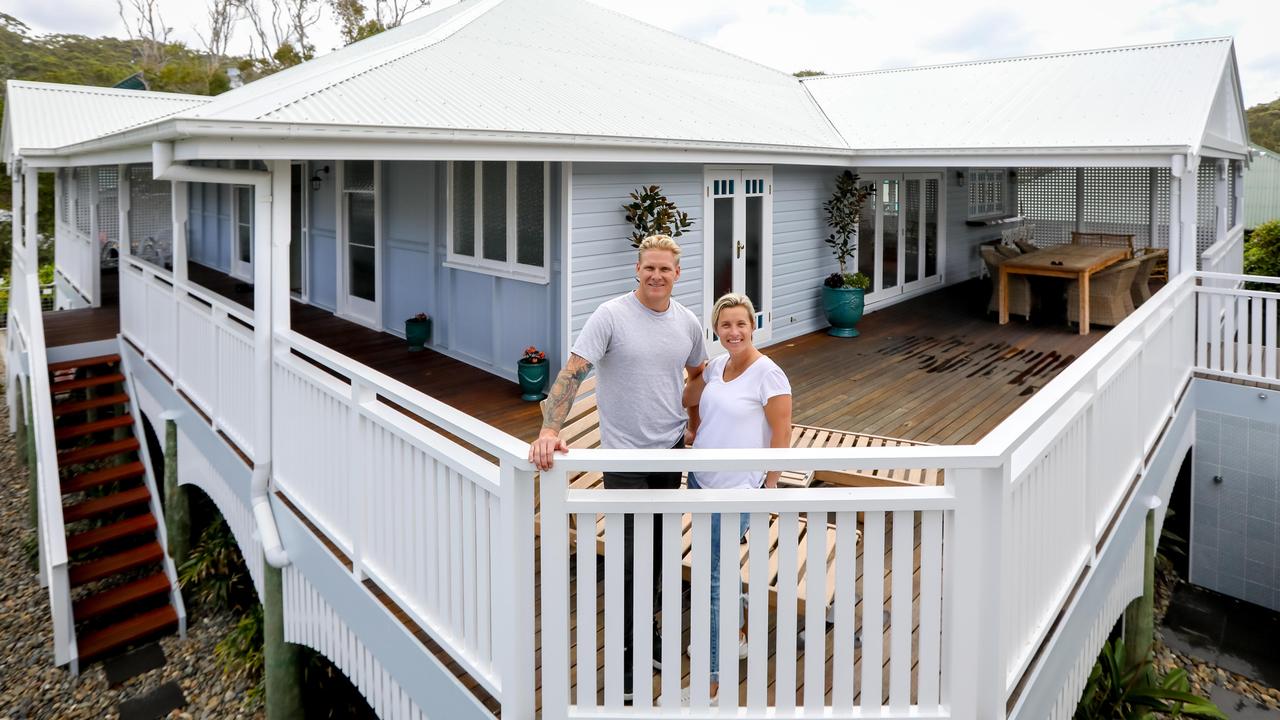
[244, 242]
[360, 219]
[493, 204]
[911, 226]
[362, 272]
[931, 228]
[867, 238]
[530, 210]
[244, 205]
[754, 249]
[464, 208]
[889, 202]
[361, 245]
[298, 180]
[358, 175]
[722, 249]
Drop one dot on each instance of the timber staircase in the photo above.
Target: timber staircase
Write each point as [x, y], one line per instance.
[121, 593]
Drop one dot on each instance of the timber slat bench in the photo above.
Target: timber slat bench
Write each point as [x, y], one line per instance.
[582, 430]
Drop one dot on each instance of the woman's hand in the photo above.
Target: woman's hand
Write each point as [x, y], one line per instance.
[778, 414]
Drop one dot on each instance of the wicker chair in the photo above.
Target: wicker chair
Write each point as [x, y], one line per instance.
[1159, 271]
[1110, 295]
[1020, 237]
[1103, 240]
[1019, 287]
[1141, 290]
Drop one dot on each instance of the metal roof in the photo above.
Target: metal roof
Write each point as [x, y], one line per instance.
[539, 66]
[1146, 96]
[48, 115]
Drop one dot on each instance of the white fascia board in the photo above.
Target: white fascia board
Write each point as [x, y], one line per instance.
[118, 156]
[1014, 157]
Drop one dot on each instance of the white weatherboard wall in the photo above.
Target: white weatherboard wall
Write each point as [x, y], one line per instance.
[603, 261]
[322, 251]
[209, 225]
[801, 257]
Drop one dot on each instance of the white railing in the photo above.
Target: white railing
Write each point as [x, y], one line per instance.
[75, 257]
[415, 511]
[1236, 330]
[26, 322]
[1226, 255]
[202, 342]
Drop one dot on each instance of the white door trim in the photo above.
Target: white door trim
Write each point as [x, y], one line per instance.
[240, 269]
[359, 310]
[304, 235]
[738, 174]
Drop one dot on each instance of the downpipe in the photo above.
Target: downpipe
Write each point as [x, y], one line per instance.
[164, 168]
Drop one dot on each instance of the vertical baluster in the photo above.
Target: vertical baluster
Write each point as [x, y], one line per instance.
[429, 542]
[872, 610]
[785, 655]
[456, 603]
[1242, 334]
[1214, 332]
[930, 610]
[1255, 336]
[468, 577]
[815, 612]
[846, 563]
[758, 612]
[672, 612]
[554, 588]
[614, 557]
[642, 603]
[730, 592]
[1271, 368]
[900, 623]
[700, 612]
[482, 575]
[586, 629]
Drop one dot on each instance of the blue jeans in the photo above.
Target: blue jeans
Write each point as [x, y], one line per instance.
[743, 523]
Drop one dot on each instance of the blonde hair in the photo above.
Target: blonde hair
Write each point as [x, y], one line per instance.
[658, 242]
[732, 300]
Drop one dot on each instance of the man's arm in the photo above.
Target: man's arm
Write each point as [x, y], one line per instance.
[555, 409]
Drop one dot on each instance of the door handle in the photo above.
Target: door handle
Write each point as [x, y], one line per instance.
[740, 247]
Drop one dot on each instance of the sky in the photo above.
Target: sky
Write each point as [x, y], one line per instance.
[849, 35]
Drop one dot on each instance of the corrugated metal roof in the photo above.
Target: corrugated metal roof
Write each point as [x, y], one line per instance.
[544, 66]
[47, 115]
[1147, 96]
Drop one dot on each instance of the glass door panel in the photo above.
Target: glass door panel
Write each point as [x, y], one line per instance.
[754, 251]
[867, 239]
[722, 247]
[930, 228]
[911, 231]
[361, 264]
[361, 246]
[242, 238]
[889, 224]
[297, 228]
[739, 218]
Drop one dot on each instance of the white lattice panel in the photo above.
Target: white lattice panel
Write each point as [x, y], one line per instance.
[1206, 220]
[1047, 197]
[1118, 200]
[64, 190]
[1160, 209]
[150, 218]
[84, 198]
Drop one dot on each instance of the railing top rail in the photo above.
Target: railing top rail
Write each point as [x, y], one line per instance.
[239, 312]
[1207, 275]
[924, 497]
[761, 459]
[481, 434]
[1024, 421]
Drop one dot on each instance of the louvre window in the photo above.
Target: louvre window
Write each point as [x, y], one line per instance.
[498, 218]
[987, 193]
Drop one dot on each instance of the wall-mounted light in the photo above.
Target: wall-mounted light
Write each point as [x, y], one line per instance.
[315, 179]
[960, 178]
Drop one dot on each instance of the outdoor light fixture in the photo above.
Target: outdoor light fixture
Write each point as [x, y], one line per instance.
[960, 178]
[315, 179]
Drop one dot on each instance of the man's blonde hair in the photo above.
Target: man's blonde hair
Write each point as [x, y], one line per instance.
[731, 300]
[658, 242]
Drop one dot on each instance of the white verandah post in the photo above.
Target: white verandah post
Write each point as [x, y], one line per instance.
[1182, 214]
[1220, 199]
[178, 210]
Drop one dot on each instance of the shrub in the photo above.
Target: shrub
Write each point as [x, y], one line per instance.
[215, 575]
[1124, 687]
[651, 213]
[1262, 250]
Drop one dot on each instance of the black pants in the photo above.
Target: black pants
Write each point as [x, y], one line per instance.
[640, 481]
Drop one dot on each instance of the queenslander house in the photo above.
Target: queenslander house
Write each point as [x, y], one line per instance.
[966, 502]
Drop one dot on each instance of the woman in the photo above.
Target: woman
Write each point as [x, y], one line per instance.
[744, 401]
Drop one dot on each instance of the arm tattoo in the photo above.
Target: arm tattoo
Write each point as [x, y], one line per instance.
[564, 390]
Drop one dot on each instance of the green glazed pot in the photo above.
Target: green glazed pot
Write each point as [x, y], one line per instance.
[844, 309]
[417, 332]
[533, 378]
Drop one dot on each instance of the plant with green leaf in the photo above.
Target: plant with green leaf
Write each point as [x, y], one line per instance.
[1130, 688]
[844, 214]
[214, 574]
[1262, 253]
[652, 213]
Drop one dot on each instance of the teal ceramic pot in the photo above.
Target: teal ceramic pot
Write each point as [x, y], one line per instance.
[844, 309]
[418, 333]
[533, 378]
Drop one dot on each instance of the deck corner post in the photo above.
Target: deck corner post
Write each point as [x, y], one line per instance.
[975, 662]
[177, 506]
[282, 666]
[513, 607]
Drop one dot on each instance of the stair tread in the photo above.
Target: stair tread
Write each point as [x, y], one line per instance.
[97, 452]
[64, 408]
[117, 563]
[120, 596]
[114, 531]
[87, 428]
[107, 503]
[82, 383]
[84, 481]
[84, 362]
[96, 642]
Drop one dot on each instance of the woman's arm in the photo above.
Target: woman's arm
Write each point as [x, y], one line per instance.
[778, 413]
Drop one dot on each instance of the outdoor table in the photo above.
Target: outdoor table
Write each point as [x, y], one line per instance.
[1076, 262]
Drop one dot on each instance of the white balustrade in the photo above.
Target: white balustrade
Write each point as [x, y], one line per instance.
[1237, 331]
[1225, 256]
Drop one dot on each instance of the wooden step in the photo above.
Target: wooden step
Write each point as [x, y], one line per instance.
[66, 408]
[118, 563]
[106, 504]
[84, 481]
[136, 525]
[120, 596]
[70, 431]
[84, 363]
[94, 644]
[97, 452]
[67, 386]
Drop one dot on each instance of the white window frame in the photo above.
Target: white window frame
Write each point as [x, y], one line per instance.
[355, 309]
[241, 269]
[978, 178]
[509, 268]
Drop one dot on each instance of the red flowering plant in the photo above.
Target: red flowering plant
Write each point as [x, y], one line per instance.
[533, 355]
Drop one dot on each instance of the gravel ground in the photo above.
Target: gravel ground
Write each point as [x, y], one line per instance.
[1203, 675]
[30, 685]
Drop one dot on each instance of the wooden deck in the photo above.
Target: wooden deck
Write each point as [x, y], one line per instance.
[72, 327]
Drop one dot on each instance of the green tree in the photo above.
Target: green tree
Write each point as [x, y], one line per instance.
[1264, 124]
[808, 73]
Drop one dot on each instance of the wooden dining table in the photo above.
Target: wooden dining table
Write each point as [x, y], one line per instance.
[1075, 262]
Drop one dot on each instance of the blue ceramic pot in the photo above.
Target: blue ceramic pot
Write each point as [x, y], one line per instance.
[533, 378]
[844, 309]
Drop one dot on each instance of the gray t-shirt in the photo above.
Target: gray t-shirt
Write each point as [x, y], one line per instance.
[639, 356]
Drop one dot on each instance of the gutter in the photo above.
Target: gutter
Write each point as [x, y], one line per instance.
[164, 168]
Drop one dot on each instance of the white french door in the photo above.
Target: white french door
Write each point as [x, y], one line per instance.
[900, 236]
[242, 234]
[299, 229]
[360, 269]
[738, 242]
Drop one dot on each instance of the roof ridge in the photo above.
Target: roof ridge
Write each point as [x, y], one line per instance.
[362, 64]
[104, 90]
[1023, 58]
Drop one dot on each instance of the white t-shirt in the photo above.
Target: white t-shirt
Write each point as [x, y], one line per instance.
[731, 415]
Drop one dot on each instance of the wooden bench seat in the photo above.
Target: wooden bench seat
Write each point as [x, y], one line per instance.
[582, 430]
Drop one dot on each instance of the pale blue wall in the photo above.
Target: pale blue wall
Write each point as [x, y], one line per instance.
[209, 225]
[322, 253]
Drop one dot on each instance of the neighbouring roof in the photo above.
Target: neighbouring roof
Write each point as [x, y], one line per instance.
[1122, 98]
[561, 67]
[41, 116]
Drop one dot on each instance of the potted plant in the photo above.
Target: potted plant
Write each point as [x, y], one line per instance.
[532, 371]
[843, 292]
[651, 213]
[417, 330]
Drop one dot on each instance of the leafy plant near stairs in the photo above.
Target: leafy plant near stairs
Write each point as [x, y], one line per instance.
[1130, 688]
[214, 575]
[240, 653]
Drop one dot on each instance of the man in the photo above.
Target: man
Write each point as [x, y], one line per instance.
[639, 344]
